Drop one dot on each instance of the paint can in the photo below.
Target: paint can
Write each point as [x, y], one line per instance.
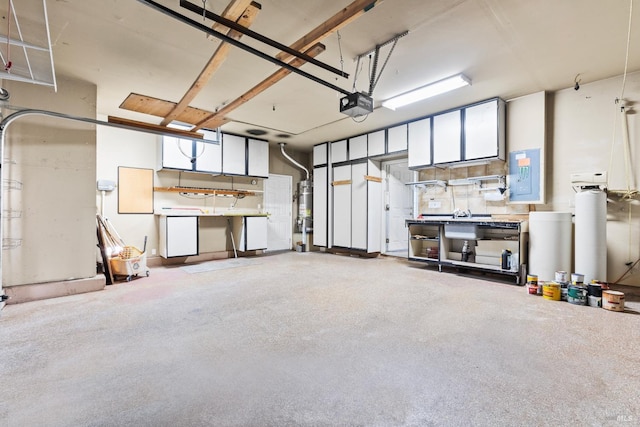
[604, 285]
[562, 276]
[577, 295]
[613, 300]
[563, 292]
[594, 301]
[532, 284]
[577, 278]
[540, 285]
[594, 290]
[551, 291]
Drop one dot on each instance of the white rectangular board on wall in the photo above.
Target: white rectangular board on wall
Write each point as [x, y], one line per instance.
[397, 139]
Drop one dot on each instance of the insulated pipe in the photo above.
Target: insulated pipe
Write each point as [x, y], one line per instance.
[292, 160]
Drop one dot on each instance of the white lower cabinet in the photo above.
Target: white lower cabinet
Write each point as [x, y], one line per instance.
[250, 233]
[357, 206]
[178, 236]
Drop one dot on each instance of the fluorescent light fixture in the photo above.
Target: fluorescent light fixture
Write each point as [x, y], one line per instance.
[424, 92]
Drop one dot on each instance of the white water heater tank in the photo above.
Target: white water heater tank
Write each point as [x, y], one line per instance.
[591, 234]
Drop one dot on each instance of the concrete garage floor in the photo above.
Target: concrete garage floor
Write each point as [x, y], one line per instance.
[312, 339]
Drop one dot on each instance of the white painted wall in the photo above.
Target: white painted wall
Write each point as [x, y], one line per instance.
[586, 136]
[49, 214]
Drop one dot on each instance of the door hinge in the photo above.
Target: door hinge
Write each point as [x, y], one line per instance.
[387, 240]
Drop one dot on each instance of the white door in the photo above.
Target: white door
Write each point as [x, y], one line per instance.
[399, 204]
[278, 194]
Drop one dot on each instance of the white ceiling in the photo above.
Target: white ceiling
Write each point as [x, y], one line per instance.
[508, 48]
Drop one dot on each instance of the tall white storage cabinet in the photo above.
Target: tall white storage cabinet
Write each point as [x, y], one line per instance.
[342, 206]
[357, 206]
[320, 188]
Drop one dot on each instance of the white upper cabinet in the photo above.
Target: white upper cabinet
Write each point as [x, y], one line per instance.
[420, 143]
[397, 139]
[481, 131]
[208, 153]
[358, 147]
[234, 155]
[447, 137]
[376, 143]
[320, 154]
[258, 158]
[339, 151]
[176, 153]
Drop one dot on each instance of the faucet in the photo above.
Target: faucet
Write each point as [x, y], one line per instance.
[462, 214]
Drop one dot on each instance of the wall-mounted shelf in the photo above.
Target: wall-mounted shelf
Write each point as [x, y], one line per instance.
[477, 180]
[429, 183]
[208, 191]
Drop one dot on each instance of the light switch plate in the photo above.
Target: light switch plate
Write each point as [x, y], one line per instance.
[434, 204]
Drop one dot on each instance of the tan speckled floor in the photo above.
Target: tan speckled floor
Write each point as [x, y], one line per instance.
[313, 339]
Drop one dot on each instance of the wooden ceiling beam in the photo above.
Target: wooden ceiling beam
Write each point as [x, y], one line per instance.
[341, 19]
[245, 18]
[347, 15]
[218, 118]
[143, 126]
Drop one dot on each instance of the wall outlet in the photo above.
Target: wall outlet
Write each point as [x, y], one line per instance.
[153, 251]
[434, 204]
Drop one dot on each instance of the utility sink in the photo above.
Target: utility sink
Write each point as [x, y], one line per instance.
[462, 231]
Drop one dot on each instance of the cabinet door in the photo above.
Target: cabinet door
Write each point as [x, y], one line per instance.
[339, 151]
[420, 143]
[481, 131]
[320, 154]
[178, 236]
[397, 140]
[358, 147]
[258, 161]
[359, 206]
[446, 137]
[342, 206]
[374, 208]
[320, 206]
[234, 155]
[177, 153]
[255, 232]
[376, 143]
[208, 157]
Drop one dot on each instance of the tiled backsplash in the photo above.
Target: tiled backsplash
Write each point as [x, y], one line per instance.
[465, 197]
